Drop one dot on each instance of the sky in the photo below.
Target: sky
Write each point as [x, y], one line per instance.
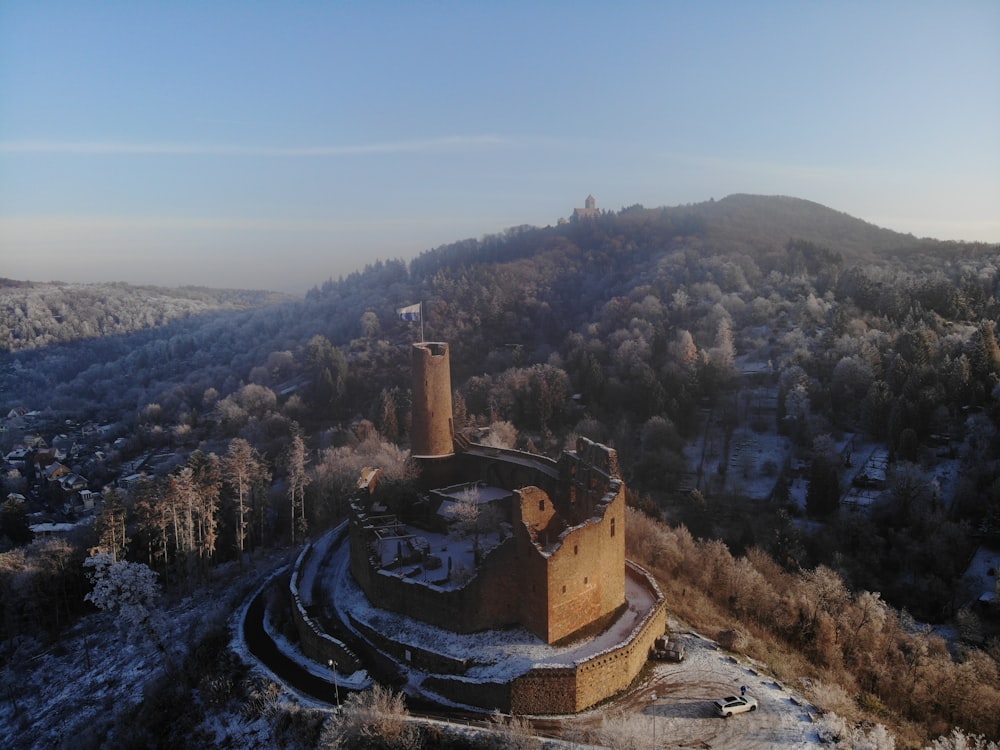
[277, 144]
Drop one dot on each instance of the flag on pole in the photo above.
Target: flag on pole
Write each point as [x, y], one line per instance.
[409, 313]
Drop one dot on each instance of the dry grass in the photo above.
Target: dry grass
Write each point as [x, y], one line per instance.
[854, 653]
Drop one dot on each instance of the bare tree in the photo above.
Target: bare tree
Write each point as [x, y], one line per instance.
[374, 718]
[295, 463]
[111, 524]
[242, 470]
[474, 518]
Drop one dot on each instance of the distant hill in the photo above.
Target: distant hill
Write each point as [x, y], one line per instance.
[34, 314]
[519, 296]
[763, 221]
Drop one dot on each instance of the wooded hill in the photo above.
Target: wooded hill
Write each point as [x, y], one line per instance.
[628, 328]
[35, 314]
[641, 312]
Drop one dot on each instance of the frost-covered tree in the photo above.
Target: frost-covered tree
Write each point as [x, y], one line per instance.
[375, 718]
[959, 740]
[502, 434]
[126, 588]
[837, 732]
[474, 518]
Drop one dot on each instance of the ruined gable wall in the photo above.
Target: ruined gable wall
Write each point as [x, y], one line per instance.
[586, 574]
[588, 475]
[532, 567]
[536, 511]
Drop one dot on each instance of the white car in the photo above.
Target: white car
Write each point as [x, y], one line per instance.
[734, 704]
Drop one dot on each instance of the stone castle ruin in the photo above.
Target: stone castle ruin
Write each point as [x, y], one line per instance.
[490, 540]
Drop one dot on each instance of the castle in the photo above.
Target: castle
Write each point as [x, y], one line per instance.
[556, 557]
[489, 539]
[589, 210]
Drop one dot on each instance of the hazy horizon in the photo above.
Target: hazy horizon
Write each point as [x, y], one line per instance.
[266, 145]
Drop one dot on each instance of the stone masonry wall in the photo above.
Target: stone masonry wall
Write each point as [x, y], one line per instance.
[317, 644]
[584, 582]
[569, 689]
[432, 428]
[491, 599]
[613, 671]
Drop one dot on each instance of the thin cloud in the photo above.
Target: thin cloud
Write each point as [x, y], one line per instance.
[428, 145]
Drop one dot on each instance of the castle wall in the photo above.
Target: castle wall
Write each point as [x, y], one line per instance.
[550, 690]
[569, 689]
[493, 695]
[532, 566]
[556, 580]
[566, 570]
[315, 642]
[613, 671]
[580, 590]
[491, 599]
[423, 659]
[431, 430]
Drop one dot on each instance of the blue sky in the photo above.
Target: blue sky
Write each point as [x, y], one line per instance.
[276, 144]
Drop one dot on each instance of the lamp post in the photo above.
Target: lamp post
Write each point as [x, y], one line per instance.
[336, 691]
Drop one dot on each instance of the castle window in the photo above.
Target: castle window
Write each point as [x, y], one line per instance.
[586, 580]
[612, 527]
[576, 549]
[541, 505]
[564, 588]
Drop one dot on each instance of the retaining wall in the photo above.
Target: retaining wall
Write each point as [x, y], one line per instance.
[315, 642]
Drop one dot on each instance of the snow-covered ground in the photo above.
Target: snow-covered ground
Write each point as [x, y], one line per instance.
[494, 655]
[978, 579]
[71, 694]
[671, 706]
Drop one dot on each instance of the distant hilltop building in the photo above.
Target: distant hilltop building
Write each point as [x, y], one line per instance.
[489, 540]
[589, 210]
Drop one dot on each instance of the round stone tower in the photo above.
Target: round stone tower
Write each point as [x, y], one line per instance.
[432, 430]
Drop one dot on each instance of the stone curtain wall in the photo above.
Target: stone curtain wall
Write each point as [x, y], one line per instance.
[316, 644]
[491, 599]
[614, 670]
[555, 690]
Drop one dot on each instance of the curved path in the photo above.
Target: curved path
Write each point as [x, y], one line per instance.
[672, 701]
[263, 648]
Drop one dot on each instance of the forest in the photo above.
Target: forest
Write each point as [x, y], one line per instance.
[645, 329]
[36, 315]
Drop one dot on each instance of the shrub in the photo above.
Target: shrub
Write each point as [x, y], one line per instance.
[376, 719]
[732, 639]
[514, 732]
